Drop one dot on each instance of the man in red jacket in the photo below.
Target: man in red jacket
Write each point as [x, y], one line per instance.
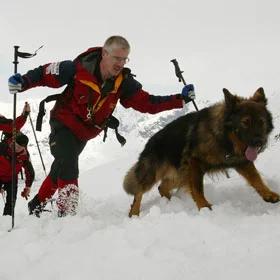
[96, 81]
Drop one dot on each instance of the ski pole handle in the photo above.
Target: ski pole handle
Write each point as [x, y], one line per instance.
[178, 73]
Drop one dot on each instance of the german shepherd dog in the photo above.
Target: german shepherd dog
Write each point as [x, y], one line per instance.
[229, 134]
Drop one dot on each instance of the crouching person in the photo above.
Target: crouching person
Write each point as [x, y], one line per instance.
[22, 162]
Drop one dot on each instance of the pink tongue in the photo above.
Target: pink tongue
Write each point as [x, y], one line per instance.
[251, 153]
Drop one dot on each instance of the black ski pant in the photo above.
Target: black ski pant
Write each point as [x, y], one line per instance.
[8, 203]
[66, 148]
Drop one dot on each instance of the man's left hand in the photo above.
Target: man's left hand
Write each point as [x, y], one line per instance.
[188, 93]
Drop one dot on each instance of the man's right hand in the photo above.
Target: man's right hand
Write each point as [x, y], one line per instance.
[15, 83]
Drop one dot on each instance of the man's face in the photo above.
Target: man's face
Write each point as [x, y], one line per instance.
[114, 60]
[19, 148]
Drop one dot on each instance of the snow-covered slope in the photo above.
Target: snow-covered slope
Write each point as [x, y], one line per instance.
[239, 239]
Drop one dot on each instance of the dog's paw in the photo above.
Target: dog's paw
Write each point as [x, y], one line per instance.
[271, 197]
[133, 212]
[164, 193]
[205, 205]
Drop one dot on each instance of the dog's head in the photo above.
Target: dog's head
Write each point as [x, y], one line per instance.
[247, 122]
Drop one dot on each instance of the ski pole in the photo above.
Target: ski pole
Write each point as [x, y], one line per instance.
[34, 133]
[178, 73]
[15, 62]
[17, 54]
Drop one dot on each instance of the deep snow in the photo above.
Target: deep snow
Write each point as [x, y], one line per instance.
[239, 239]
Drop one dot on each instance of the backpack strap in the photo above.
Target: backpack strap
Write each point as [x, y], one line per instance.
[113, 123]
[42, 110]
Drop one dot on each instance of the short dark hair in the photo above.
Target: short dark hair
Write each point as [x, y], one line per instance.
[22, 139]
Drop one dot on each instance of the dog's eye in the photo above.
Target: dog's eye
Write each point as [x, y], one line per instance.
[245, 122]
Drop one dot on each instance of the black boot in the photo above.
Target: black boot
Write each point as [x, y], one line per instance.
[35, 207]
[7, 210]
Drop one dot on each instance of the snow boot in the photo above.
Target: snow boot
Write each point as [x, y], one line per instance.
[7, 210]
[68, 198]
[35, 207]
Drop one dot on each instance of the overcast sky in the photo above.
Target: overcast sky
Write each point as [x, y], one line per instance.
[218, 43]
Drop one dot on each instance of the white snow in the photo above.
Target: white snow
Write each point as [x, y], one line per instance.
[239, 239]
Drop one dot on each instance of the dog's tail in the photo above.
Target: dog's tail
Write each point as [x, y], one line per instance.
[141, 177]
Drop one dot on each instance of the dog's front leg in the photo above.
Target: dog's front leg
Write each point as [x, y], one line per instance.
[195, 179]
[251, 174]
[135, 206]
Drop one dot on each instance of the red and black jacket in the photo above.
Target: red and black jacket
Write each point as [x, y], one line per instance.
[87, 102]
[6, 125]
[22, 161]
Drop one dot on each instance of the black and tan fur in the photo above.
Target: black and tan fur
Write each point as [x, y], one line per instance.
[210, 140]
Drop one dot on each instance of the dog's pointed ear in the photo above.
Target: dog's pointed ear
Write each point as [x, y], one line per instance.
[259, 96]
[230, 99]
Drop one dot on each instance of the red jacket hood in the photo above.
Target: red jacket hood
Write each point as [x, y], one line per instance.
[90, 50]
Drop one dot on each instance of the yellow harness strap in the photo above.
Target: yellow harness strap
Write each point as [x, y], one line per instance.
[92, 85]
[96, 88]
